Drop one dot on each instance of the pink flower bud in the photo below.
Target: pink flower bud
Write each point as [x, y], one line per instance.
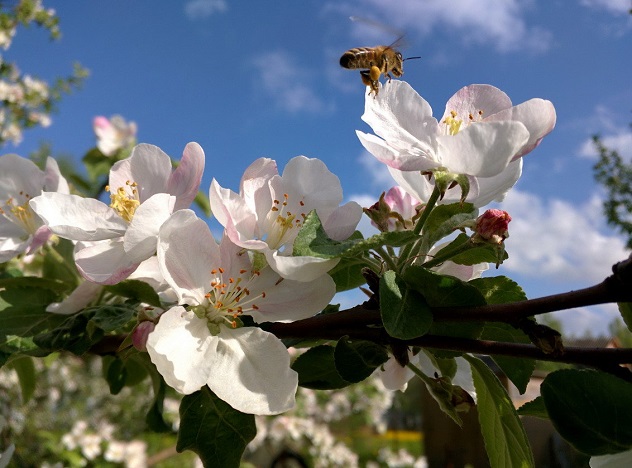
[140, 334]
[492, 226]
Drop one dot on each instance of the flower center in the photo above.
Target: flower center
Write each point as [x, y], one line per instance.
[453, 124]
[283, 223]
[124, 201]
[20, 213]
[228, 298]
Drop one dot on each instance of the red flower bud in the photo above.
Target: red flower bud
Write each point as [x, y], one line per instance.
[492, 226]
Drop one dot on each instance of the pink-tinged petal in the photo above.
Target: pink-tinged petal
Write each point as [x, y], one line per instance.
[343, 221]
[495, 188]
[232, 212]
[401, 116]
[78, 218]
[482, 149]
[393, 375]
[250, 370]
[181, 348]
[141, 237]
[79, 299]
[53, 180]
[463, 272]
[538, 115]
[408, 159]
[187, 252]
[148, 166]
[185, 180]
[474, 98]
[40, 237]
[299, 268]
[255, 179]
[104, 262]
[287, 300]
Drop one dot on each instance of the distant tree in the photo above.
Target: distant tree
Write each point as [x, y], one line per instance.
[615, 175]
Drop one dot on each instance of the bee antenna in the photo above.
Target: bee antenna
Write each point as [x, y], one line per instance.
[411, 58]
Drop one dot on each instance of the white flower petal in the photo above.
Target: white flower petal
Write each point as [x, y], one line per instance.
[83, 295]
[78, 218]
[250, 370]
[181, 348]
[104, 262]
[483, 149]
[495, 188]
[394, 376]
[141, 236]
[342, 222]
[148, 166]
[303, 268]
[187, 252]
[471, 99]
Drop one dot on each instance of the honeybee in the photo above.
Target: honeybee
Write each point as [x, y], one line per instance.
[377, 61]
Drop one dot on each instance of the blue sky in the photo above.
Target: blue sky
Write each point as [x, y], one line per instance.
[252, 79]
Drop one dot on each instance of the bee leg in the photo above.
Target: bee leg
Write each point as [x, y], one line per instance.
[368, 80]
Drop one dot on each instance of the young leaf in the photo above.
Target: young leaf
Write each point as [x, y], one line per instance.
[592, 410]
[316, 369]
[442, 291]
[444, 219]
[25, 370]
[348, 274]
[110, 317]
[499, 289]
[212, 429]
[405, 313]
[138, 291]
[479, 253]
[534, 408]
[504, 435]
[356, 360]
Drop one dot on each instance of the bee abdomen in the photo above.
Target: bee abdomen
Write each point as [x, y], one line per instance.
[356, 58]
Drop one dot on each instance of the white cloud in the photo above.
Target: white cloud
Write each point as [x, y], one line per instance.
[286, 82]
[200, 9]
[611, 6]
[621, 141]
[497, 22]
[584, 321]
[555, 241]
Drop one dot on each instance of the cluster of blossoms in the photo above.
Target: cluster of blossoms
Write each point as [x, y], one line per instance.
[219, 288]
[94, 445]
[26, 101]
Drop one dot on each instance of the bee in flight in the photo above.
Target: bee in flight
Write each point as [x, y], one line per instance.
[376, 61]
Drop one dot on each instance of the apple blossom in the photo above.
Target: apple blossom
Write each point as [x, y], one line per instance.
[492, 226]
[270, 208]
[206, 343]
[113, 134]
[116, 238]
[21, 229]
[478, 136]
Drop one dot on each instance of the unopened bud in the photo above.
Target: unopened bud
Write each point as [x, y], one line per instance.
[492, 226]
[396, 210]
[141, 333]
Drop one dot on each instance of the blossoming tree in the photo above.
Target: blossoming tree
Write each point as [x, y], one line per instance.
[141, 278]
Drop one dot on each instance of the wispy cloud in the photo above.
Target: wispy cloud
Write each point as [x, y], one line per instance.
[614, 134]
[500, 23]
[287, 83]
[560, 242]
[618, 7]
[201, 9]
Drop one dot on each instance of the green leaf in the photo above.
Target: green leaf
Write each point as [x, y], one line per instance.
[115, 373]
[504, 435]
[499, 289]
[478, 254]
[534, 408]
[348, 274]
[74, 334]
[97, 165]
[202, 201]
[441, 290]
[405, 313]
[625, 309]
[110, 317]
[61, 265]
[443, 220]
[137, 291]
[518, 370]
[212, 429]
[23, 310]
[316, 369]
[25, 370]
[312, 240]
[356, 360]
[592, 410]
